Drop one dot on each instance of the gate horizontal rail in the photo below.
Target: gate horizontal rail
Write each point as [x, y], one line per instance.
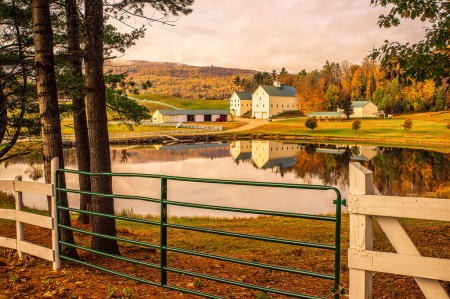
[163, 224]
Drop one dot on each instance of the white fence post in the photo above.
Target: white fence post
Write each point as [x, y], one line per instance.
[361, 231]
[19, 207]
[55, 245]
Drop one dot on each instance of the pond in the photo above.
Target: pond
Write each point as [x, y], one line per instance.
[397, 171]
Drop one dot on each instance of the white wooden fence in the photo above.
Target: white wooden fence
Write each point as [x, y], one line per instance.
[18, 187]
[364, 207]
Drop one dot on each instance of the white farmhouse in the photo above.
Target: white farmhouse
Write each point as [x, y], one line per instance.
[271, 100]
[241, 102]
[362, 109]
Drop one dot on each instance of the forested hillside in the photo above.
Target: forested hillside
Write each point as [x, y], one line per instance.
[180, 80]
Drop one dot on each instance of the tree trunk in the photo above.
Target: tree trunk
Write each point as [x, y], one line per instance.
[48, 107]
[98, 128]
[3, 114]
[79, 107]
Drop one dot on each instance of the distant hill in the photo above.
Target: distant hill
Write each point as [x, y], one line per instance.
[181, 80]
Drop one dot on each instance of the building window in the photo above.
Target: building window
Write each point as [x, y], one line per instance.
[242, 105]
[282, 106]
[277, 105]
[260, 98]
[270, 149]
[263, 105]
[288, 106]
[256, 105]
[272, 105]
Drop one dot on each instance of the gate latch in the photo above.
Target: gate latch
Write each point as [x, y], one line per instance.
[343, 202]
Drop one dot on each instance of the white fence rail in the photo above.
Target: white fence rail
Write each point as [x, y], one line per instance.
[18, 187]
[144, 134]
[364, 207]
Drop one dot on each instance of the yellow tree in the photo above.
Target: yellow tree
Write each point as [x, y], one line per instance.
[356, 85]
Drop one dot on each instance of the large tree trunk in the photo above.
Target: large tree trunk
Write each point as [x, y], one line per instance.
[48, 107]
[79, 107]
[98, 127]
[3, 114]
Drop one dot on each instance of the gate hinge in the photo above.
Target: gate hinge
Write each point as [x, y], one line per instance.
[343, 202]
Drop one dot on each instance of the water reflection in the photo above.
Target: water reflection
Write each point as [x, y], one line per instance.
[397, 171]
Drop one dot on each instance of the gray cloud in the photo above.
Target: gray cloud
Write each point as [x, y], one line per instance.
[270, 34]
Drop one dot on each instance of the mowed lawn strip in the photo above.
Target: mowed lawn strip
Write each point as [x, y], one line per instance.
[187, 104]
[425, 127]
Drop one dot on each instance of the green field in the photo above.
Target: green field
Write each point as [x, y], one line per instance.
[184, 103]
[430, 127]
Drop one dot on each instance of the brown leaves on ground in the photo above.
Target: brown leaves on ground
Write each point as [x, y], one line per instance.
[33, 278]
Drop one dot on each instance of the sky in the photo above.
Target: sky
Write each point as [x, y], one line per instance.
[271, 34]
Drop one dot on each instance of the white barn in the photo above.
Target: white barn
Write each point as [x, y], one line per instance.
[362, 109]
[272, 100]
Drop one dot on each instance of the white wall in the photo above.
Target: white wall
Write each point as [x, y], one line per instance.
[199, 118]
[235, 104]
[260, 103]
[369, 110]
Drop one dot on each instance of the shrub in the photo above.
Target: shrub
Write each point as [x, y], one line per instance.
[311, 123]
[448, 126]
[356, 125]
[407, 125]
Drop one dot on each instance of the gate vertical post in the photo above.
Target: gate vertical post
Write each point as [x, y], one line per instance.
[361, 231]
[163, 237]
[19, 225]
[55, 235]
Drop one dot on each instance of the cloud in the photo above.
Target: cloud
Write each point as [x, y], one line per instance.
[271, 34]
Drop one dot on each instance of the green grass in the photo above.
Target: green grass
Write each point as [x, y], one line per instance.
[426, 127]
[187, 104]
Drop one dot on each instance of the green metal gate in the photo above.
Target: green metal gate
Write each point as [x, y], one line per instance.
[162, 246]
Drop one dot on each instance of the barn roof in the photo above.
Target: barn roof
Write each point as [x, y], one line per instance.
[283, 91]
[194, 112]
[359, 104]
[244, 96]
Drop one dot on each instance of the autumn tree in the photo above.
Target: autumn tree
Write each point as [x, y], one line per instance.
[426, 59]
[448, 126]
[287, 79]
[49, 110]
[356, 125]
[407, 125]
[346, 105]
[311, 123]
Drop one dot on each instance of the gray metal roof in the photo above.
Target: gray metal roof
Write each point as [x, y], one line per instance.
[283, 91]
[325, 113]
[194, 112]
[359, 104]
[282, 162]
[244, 96]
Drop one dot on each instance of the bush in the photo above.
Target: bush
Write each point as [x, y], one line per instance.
[311, 123]
[448, 126]
[356, 125]
[407, 125]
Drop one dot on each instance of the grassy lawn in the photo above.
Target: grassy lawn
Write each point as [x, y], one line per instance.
[426, 126]
[185, 103]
